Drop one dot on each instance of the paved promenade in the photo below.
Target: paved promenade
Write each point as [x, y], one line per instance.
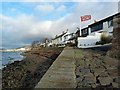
[95, 69]
[61, 74]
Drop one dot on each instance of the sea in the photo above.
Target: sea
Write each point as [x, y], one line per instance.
[9, 57]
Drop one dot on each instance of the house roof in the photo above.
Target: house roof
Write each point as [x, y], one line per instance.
[106, 19]
[59, 36]
[103, 20]
[84, 28]
[69, 34]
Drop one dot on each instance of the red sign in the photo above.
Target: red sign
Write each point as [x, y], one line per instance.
[85, 18]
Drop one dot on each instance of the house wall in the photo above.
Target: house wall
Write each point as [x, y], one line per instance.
[54, 42]
[105, 28]
[95, 36]
[67, 38]
[61, 40]
[89, 40]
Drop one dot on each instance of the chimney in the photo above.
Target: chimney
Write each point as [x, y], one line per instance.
[67, 30]
[95, 21]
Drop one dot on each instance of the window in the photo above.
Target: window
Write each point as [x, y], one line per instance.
[97, 27]
[84, 32]
[110, 23]
[61, 38]
[65, 37]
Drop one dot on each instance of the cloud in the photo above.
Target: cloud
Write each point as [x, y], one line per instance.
[59, 0]
[45, 8]
[61, 8]
[24, 29]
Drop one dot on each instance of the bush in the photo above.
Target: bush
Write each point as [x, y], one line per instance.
[99, 43]
[70, 44]
[105, 38]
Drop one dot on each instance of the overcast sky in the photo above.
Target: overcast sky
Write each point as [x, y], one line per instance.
[24, 22]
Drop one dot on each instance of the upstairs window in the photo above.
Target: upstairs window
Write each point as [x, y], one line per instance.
[97, 27]
[84, 32]
[64, 37]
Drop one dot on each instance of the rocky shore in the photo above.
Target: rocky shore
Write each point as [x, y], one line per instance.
[28, 72]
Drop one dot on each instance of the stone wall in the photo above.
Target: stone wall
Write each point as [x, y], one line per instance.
[115, 52]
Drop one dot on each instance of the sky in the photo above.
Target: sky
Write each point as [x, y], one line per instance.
[25, 21]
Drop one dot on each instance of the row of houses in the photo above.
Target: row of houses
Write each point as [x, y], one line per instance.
[63, 39]
[87, 36]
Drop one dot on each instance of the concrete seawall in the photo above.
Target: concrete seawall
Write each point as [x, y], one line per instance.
[61, 74]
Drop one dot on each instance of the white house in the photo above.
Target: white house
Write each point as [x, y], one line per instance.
[62, 39]
[90, 40]
[69, 38]
[92, 34]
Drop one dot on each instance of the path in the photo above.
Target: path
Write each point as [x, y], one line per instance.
[61, 74]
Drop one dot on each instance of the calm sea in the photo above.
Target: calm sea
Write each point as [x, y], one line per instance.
[9, 57]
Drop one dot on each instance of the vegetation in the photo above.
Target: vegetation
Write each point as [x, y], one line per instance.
[105, 38]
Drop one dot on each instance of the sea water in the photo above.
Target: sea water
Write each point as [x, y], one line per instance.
[9, 57]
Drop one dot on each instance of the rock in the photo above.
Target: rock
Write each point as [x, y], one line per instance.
[115, 85]
[93, 85]
[79, 79]
[117, 79]
[86, 85]
[103, 74]
[113, 72]
[88, 74]
[105, 80]
[77, 72]
[79, 85]
[84, 70]
[90, 80]
[98, 71]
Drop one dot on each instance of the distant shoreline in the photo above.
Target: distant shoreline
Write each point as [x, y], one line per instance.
[13, 50]
[10, 51]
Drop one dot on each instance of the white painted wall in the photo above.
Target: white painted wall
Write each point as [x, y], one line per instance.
[89, 40]
[59, 41]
